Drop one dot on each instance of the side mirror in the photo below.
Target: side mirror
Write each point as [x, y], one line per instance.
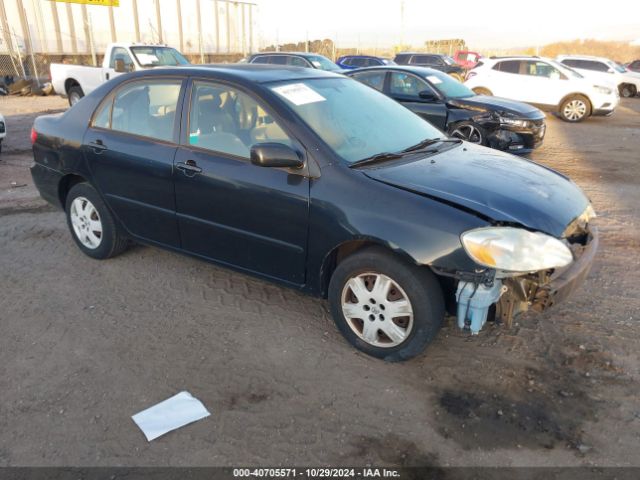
[275, 155]
[119, 66]
[427, 96]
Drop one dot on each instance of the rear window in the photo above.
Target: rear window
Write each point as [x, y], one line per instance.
[508, 66]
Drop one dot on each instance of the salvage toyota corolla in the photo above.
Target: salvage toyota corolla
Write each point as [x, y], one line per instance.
[320, 183]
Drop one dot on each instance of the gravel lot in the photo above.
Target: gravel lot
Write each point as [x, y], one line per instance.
[85, 344]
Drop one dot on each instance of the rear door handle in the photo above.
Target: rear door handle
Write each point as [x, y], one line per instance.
[189, 168]
[97, 146]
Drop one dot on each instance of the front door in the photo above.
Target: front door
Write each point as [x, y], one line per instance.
[230, 210]
[406, 88]
[130, 147]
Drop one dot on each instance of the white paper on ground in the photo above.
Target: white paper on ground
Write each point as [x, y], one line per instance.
[174, 412]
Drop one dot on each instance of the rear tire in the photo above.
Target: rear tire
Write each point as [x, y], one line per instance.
[92, 225]
[75, 94]
[575, 109]
[627, 91]
[401, 304]
[482, 91]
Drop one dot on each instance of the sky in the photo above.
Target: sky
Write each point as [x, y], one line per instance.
[482, 24]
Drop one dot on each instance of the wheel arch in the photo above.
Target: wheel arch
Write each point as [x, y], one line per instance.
[71, 82]
[573, 94]
[347, 248]
[66, 184]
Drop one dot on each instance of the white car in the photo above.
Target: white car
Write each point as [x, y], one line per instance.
[604, 70]
[544, 83]
[3, 130]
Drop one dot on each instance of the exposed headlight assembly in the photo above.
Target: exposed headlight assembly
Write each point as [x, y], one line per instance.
[513, 121]
[604, 90]
[515, 250]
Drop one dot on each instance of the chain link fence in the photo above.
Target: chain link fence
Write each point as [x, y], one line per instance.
[36, 33]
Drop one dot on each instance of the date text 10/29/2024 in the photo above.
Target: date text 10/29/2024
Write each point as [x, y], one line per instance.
[315, 473]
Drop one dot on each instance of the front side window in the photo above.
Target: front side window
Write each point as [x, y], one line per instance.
[355, 121]
[261, 59]
[297, 62]
[406, 85]
[373, 79]
[119, 53]
[146, 108]
[224, 119]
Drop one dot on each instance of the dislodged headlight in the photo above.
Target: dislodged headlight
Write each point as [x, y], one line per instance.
[515, 249]
[601, 89]
[513, 121]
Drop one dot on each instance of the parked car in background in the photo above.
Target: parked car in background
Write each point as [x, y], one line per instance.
[295, 59]
[453, 108]
[3, 130]
[443, 63]
[76, 81]
[349, 62]
[318, 182]
[466, 59]
[633, 66]
[604, 70]
[544, 83]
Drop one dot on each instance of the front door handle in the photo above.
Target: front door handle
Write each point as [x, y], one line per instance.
[97, 146]
[189, 168]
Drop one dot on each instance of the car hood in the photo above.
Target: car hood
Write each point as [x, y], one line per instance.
[499, 105]
[497, 185]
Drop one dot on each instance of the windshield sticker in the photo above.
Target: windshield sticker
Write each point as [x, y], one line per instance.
[434, 79]
[316, 63]
[147, 58]
[299, 94]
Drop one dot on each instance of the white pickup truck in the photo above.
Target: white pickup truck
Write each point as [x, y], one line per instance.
[76, 81]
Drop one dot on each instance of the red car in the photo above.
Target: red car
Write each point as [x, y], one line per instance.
[467, 59]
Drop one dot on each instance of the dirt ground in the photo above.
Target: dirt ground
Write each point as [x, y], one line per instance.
[85, 344]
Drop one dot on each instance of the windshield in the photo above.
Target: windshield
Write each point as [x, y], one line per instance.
[356, 121]
[158, 56]
[323, 63]
[447, 85]
[448, 60]
[618, 68]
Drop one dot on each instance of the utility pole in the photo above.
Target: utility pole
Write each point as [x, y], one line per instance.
[180, 35]
[136, 23]
[215, 5]
[401, 23]
[112, 25]
[199, 19]
[159, 21]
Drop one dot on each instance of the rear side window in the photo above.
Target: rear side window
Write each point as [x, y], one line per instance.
[569, 62]
[278, 60]
[508, 66]
[261, 59]
[594, 66]
[373, 79]
[146, 108]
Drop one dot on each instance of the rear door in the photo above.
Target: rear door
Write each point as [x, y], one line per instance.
[405, 87]
[130, 146]
[505, 80]
[228, 209]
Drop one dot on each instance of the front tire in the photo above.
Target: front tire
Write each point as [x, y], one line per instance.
[627, 91]
[75, 94]
[92, 225]
[575, 109]
[385, 307]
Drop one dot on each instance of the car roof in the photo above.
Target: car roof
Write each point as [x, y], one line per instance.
[584, 57]
[359, 56]
[420, 71]
[422, 53]
[299, 54]
[257, 73]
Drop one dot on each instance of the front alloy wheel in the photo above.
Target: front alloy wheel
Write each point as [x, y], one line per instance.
[384, 305]
[377, 309]
[575, 109]
[469, 132]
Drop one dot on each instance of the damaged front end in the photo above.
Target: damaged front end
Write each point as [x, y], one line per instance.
[505, 293]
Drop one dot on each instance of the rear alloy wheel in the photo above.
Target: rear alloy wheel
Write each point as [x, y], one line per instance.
[575, 109]
[468, 131]
[91, 223]
[627, 91]
[385, 306]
